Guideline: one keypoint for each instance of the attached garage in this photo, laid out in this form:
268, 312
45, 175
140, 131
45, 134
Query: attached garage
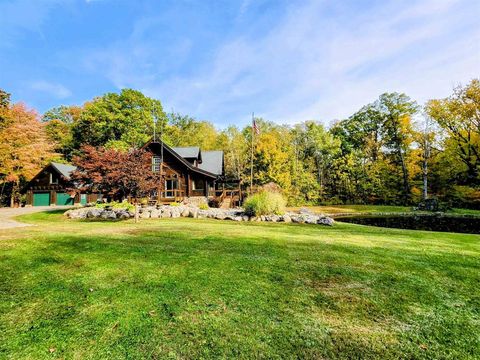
64, 199
41, 199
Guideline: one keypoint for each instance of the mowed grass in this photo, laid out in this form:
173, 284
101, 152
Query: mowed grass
191, 288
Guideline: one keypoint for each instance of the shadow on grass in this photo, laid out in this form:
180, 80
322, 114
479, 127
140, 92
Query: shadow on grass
250, 289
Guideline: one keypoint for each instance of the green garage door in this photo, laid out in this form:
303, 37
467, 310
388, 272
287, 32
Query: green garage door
41, 199
64, 199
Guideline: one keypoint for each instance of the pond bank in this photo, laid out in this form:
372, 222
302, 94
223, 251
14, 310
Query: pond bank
443, 222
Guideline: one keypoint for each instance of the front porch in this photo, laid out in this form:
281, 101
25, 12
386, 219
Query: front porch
224, 194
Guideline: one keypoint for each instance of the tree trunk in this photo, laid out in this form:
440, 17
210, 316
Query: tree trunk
425, 179
13, 194
406, 185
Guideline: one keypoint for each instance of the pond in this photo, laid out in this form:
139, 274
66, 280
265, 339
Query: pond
430, 222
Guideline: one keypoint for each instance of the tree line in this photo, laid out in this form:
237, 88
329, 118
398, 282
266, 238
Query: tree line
391, 151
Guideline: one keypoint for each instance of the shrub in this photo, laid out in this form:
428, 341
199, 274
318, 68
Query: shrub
203, 206
174, 203
117, 205
265, 203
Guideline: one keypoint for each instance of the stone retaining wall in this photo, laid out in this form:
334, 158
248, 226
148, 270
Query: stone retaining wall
168, 211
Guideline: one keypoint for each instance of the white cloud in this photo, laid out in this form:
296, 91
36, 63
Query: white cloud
320, 61
57, 90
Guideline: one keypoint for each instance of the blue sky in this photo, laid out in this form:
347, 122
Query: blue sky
288, 61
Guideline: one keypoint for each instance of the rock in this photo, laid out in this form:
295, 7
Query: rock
297, 219
175, 213
311, 219
165, 213
238, 218
108, 215
193, 212
262, 218
155, 213
94, 213
145, 214
245, 218
221, 216
275, 218
325, 220
287, 218
76, 214
123, 215
185, 212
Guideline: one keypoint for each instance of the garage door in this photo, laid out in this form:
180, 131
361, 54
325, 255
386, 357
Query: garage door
41, 199
64, 199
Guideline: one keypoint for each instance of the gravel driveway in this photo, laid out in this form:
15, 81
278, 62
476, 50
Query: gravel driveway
6, 214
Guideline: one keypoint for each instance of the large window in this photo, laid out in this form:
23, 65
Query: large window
156, 161
198, 184
170, 186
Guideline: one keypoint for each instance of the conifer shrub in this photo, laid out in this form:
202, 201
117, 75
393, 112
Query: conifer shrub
265, 203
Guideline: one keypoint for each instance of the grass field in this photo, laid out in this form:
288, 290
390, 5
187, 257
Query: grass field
191, 288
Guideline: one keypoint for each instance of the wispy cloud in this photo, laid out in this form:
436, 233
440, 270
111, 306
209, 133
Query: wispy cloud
313, 66
57, 90
287, 61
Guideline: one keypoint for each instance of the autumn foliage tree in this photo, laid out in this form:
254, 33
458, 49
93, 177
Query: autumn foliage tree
118, 174
24, 148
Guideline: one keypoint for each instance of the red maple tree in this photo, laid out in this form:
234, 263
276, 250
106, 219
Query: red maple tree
115, 173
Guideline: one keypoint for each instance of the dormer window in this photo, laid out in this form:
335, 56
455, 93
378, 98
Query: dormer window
53, 178
156, 161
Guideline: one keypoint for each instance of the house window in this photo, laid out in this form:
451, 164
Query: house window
53, 178
156, 161
198, 184
170, 186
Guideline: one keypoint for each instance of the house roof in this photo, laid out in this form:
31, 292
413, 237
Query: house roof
212, 161
216, 162
191, 152
64, 169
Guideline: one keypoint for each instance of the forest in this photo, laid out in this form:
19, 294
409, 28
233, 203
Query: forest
392, 151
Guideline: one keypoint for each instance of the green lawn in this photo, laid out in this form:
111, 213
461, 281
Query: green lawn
370, 209
191, 288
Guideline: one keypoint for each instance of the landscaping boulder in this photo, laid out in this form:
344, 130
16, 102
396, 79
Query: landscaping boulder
325, 220
193, 212
166, 213
155, 213
123, 215
145, 214
169, 211
94, 213
108, 215
220, 216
